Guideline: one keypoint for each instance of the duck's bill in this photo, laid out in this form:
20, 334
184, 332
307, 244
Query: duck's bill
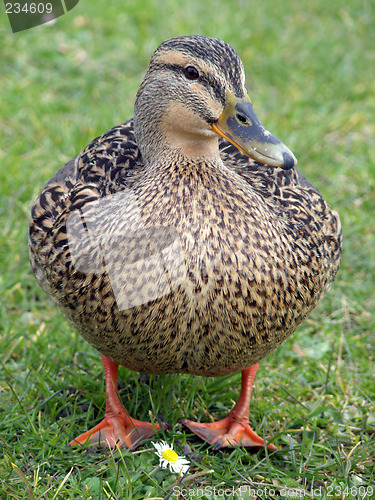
240, 125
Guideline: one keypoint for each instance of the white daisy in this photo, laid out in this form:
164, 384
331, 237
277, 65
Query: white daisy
169, 458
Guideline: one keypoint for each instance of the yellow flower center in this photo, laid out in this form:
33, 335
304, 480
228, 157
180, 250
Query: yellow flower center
169, 455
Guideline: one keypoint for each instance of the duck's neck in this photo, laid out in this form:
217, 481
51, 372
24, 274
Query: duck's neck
167, 143
167, 128
176, 167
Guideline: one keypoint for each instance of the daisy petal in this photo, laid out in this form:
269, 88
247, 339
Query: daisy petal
169, 459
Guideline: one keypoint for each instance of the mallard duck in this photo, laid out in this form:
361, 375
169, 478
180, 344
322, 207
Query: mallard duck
184, 240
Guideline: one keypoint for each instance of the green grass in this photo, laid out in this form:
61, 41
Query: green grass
310, 71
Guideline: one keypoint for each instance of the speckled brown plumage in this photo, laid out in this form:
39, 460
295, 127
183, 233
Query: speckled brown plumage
261, 248
255, 248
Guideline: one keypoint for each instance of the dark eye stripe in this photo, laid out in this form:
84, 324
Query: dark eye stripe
210, 83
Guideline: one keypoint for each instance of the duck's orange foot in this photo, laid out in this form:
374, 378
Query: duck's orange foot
119, 430
227, 432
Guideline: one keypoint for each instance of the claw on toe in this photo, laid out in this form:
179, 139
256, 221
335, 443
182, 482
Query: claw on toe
122, 431
227, 432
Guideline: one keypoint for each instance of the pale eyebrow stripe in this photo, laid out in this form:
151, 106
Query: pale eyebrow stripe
212, 84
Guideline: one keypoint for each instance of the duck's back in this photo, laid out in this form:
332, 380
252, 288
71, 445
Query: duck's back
186, 268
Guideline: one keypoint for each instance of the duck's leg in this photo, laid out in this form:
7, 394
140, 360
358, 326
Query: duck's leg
234, 429
117, 425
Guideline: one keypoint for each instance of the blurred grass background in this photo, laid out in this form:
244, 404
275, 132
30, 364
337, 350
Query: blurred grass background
310, 74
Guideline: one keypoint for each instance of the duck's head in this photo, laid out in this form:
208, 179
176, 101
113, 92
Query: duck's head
193, 91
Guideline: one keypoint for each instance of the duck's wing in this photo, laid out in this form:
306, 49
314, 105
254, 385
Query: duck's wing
109, 164
111, 159
315, 228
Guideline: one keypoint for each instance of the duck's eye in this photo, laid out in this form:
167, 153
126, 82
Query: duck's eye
191, 73
242, 118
